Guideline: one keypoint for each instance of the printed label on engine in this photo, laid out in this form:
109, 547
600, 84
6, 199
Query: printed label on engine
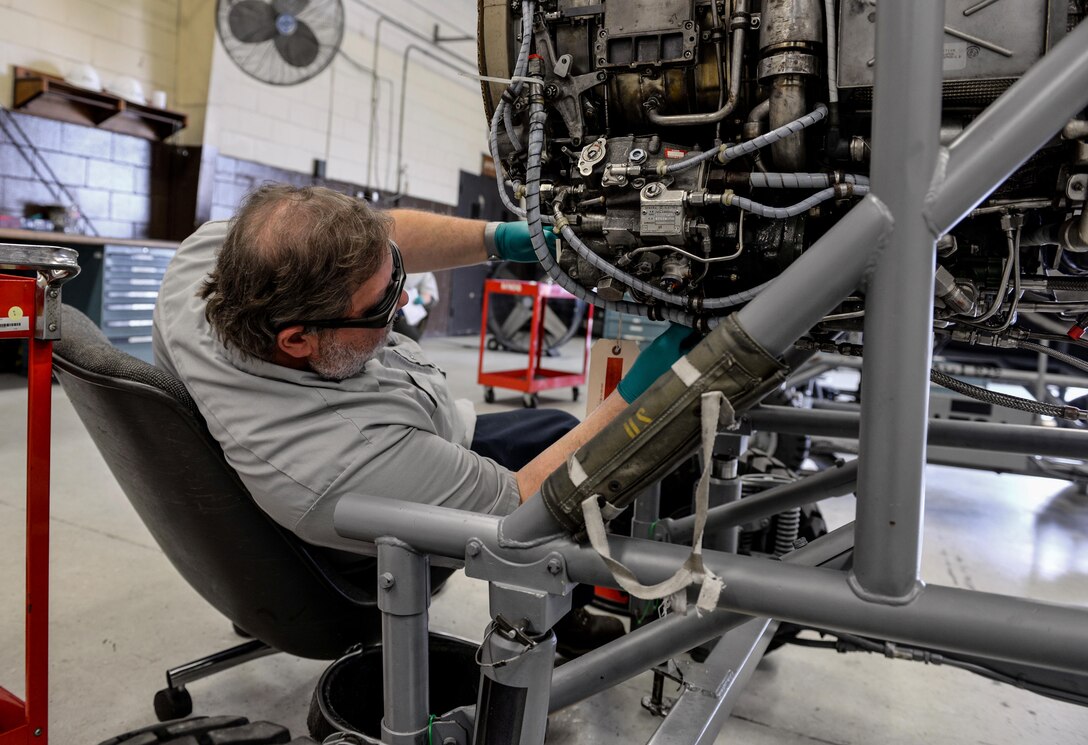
955, 55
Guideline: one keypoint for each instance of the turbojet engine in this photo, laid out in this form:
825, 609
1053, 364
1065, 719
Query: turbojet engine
689, 150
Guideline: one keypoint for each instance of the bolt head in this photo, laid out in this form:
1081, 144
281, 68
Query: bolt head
53, 294
473, 548
554, 566
52, 327
385, 580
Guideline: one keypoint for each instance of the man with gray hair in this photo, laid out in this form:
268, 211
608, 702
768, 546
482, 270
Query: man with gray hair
278, 323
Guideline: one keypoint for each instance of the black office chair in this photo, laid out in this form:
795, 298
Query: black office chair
287, 595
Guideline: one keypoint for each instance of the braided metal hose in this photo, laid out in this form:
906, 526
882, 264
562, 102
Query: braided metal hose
1071, 413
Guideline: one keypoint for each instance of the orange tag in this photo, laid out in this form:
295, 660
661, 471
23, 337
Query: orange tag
609, 361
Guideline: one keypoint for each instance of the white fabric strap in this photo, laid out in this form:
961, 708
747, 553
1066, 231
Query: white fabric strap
714, 407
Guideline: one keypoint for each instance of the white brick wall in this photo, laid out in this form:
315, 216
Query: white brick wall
289, 126
284, 126
135, 38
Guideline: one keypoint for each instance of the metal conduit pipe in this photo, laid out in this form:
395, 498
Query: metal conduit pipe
382, 18
672, 635
952, 619
740, 8
404, 99
1002, 438
833, 482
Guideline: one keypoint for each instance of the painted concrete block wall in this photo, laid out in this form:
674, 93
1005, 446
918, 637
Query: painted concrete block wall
135, 38
329, 117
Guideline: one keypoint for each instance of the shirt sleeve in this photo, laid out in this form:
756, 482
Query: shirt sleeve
415, 466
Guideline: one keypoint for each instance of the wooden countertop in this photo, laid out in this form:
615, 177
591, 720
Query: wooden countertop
53, 238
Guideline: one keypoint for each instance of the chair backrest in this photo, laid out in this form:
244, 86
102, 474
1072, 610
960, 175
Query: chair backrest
154, 440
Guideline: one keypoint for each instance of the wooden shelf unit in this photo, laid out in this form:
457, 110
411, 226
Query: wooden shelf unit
51, 97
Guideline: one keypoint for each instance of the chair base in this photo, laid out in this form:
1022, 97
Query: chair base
174, 701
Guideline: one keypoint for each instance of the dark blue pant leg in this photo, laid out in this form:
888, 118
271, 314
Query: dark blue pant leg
513, 438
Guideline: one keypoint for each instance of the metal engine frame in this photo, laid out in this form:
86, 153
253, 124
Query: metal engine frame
886, 244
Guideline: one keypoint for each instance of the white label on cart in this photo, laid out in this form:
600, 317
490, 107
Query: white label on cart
15, 320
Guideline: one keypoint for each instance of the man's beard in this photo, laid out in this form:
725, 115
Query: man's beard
337, 360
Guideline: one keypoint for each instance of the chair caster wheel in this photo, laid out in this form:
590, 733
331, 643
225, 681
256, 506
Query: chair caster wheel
489, 395
493, 344
173, 703
530, 400
574, 393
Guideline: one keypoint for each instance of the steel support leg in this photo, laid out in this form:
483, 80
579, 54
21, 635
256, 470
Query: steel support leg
516, 660
899, 306
404, 593
725, 488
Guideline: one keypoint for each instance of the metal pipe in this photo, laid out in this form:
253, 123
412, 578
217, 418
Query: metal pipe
1012, 128
707, 701
996, 626
404, 593
832, 482
1025, 439
403, 102
899, 311
740, 7
957, 368
667, 637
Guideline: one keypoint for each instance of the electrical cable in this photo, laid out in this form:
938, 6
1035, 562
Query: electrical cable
850, 643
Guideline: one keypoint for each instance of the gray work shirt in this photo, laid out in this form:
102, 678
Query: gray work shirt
300, 443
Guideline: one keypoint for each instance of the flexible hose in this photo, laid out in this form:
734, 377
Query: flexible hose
801, 180
780, 213
503, 115
1031, 406
1057, 354
729, 152
540, 244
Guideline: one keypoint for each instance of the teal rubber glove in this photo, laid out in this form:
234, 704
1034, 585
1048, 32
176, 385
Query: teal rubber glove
418, 300
655, 359
512, 243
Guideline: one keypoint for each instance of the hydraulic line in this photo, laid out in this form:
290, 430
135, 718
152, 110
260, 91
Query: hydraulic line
1068, 359
725, 153
1071, 413
803, 180
536, 228
637, 284
781, 213
502, 112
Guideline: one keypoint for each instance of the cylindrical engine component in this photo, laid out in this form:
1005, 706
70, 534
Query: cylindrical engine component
789, 30
790, 22
788, 104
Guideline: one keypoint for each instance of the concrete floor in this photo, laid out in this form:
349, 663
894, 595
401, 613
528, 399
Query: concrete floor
121, 615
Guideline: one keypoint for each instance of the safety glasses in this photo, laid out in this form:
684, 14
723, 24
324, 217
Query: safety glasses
377, 317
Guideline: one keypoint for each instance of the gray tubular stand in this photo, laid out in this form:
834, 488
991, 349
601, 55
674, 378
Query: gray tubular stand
885, 246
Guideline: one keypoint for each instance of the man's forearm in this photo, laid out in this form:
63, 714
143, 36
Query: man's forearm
430, 242
532, 475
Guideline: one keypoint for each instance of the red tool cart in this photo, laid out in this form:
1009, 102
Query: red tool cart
30, 309
534, 377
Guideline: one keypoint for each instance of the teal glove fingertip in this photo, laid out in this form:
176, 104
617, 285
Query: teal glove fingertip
657, 357
512, 242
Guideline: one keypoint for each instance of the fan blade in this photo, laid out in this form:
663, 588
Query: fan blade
300, 48
252, 21
290, 7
